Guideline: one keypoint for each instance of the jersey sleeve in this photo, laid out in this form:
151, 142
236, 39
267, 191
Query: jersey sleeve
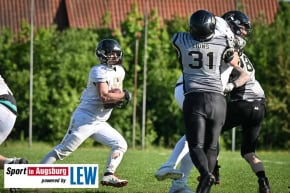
98, 74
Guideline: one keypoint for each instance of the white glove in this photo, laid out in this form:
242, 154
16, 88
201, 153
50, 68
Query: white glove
229, 87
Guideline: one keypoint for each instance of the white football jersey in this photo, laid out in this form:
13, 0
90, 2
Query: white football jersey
90, 99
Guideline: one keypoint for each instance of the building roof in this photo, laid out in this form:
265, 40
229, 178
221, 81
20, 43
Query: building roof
90, 13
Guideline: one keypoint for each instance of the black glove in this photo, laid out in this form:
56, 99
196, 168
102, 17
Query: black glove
128, 96
120, 104
110, 105
127, 99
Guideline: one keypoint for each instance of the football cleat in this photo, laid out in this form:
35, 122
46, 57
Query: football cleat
264, 186
13, 190
168, 172
18, 161
179, 187
112, 180
216, 173
205, 183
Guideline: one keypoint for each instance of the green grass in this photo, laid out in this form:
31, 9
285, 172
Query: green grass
139, 167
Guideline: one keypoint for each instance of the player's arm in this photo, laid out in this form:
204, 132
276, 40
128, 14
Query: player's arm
109, 96
231, 56
243, 78
243, 75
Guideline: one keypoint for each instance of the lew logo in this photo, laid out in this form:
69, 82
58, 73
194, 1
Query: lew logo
51, 176
83, 175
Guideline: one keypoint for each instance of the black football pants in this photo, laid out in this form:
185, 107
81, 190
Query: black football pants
204, 115
250, 116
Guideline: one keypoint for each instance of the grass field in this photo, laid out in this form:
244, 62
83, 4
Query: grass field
138, 167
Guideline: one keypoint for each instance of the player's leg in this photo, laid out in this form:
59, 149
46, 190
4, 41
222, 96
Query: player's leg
80, 128
7, 121
180, 185
250, 133
185, 166
167, 170
194, 115
232, 120
216, 114
180, 151
112, 138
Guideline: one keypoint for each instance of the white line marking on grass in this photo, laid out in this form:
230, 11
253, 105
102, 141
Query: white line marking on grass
276, 162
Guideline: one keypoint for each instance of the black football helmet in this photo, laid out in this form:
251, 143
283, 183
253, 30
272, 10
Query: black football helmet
202, 25
109, 52
238, 20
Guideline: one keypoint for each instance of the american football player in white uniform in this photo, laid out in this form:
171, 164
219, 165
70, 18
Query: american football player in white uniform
8, 114
104, 91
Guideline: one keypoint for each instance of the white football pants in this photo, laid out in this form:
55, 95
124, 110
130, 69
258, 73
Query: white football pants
180, 153
83, 126
7, 121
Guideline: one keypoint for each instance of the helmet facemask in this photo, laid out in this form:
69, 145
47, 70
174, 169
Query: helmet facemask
241, 42
112, 58
241, 29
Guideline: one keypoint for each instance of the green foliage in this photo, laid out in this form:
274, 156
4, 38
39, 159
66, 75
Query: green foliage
268, 49
62, 61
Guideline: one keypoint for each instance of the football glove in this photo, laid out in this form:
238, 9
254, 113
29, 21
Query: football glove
229, 87
120, 104
127, 98
228, 55
110, 105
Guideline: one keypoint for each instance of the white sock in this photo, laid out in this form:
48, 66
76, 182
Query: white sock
114, 160
50, 158
186, 165
179, 151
